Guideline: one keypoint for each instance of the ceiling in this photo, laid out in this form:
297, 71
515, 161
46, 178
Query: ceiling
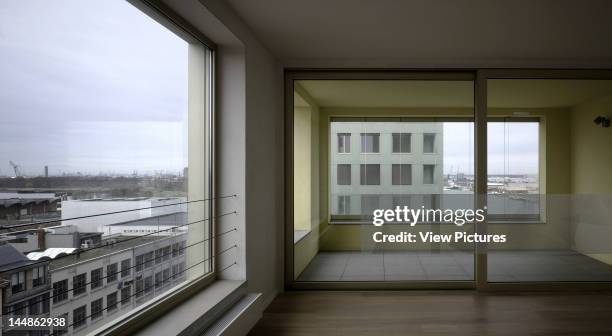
384, 33
501, 93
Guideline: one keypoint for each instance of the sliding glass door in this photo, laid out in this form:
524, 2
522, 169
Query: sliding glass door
549, 190
365, 148
496, 179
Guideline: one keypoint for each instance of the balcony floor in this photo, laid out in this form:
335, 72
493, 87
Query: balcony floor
503, 266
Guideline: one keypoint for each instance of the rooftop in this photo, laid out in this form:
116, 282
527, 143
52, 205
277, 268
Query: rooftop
123, 243
12, 258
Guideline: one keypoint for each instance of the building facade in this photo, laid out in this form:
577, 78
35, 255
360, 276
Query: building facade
382, 164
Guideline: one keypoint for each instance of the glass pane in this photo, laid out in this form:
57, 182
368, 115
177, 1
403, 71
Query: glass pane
548, 158
105, 138
415, 150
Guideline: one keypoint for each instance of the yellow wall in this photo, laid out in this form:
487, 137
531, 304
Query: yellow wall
591, 179
307, 215
301, 168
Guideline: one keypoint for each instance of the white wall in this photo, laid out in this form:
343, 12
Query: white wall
249, 150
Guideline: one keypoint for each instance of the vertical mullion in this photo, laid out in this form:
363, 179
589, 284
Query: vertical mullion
480, 164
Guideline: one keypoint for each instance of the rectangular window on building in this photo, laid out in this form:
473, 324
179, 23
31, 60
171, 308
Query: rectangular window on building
167, 252
428, 174
401, 174
79, 284
175, 250
369, 174
111, 301
158, 255
96, 278
344, 205
19, 308
96, 308
79, 316
39, 276
369, 203
148, 259
344, 142
401, 142
429, 140
126, 267
166, 275
111, 272
158, 280
139, 289
344, 174
175, 271
34, 306
182, 245
370, 142
18, 282
45, 304
148, 284
126, 293
60, 291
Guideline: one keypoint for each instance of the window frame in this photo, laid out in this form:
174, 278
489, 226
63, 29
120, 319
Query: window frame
344, 142
400, 136
363, 138
21, 285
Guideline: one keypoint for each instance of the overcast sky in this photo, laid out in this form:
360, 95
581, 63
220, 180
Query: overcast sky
96, 87
512, 148
90, 86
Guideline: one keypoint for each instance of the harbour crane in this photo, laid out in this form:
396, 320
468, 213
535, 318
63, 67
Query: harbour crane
16, 168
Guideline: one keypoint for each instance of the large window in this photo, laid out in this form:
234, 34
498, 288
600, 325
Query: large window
109, 112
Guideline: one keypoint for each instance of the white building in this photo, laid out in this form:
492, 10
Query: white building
99, 285
99, 209
381, 164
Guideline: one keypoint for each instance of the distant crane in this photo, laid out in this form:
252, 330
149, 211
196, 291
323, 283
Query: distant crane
16, 168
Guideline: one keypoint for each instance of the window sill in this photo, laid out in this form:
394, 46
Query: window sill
299, 235
191, 312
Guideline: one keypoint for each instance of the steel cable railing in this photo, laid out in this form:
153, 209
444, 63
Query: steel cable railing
83, 251
50, 298
8, 227
62, 330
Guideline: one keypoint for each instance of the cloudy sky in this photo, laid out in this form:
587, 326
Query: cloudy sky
90, 86
512, 148
103, 89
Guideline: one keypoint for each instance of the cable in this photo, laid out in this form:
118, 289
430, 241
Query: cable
78, 253
112, 213
30, 303
144, 290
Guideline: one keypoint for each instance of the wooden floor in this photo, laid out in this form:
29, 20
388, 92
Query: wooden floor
387, 313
